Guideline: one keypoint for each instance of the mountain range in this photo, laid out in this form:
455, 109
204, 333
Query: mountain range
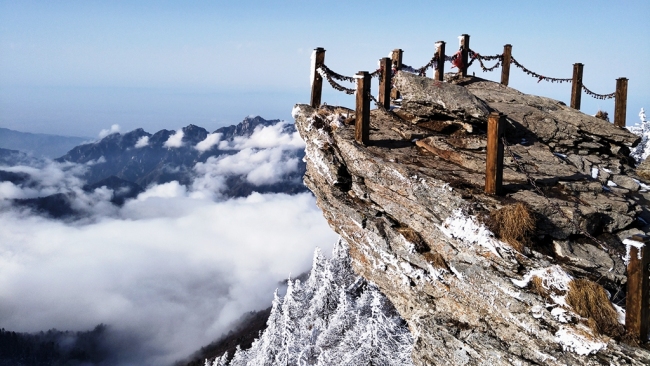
128, 163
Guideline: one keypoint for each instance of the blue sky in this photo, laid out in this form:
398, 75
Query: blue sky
75, 67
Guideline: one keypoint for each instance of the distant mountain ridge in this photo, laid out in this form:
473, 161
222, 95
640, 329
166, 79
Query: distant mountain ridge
128, 163
157, 164
38, 144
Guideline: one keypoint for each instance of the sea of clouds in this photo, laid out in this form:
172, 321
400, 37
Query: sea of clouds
169, 271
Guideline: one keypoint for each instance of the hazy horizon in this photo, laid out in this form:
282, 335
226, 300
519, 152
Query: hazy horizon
75, 68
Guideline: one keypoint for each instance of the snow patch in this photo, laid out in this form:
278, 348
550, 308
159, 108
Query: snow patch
632, 243
553, 278
577, 343
462, 227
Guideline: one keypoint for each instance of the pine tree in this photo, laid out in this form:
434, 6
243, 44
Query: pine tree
334, 318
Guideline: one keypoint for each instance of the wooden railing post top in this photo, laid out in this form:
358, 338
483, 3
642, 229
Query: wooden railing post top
497, 115
507, 45
319, 49
622, 79
578, 64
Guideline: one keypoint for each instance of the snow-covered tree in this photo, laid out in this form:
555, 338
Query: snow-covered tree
334, 318
642, 150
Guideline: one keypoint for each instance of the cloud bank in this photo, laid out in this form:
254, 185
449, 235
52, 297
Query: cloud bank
167, 272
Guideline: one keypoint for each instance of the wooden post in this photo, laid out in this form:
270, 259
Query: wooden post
637, 303
505, 64
440, 65
397, 64
385, 82
318, 59
576, 86
620, 105
464, 52
494, 159
362, 120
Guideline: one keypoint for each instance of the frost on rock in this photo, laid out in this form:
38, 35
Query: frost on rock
462, 227
580, 344
334, 318
553, 278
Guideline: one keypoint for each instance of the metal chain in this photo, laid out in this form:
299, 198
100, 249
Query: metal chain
554, 205
422, 70
538, 76
326, 73
335, 75
598, 96
486, 58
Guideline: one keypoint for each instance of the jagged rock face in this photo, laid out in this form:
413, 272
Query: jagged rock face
406, 211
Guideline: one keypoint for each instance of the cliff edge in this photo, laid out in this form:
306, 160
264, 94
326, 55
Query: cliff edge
411, 207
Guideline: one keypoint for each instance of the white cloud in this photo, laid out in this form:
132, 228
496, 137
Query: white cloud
175, 140
211, 140
170, 269
265, 137
259, 167
114, 129
142, 142
175, 278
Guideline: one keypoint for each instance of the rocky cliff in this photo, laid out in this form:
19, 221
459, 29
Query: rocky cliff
412, 209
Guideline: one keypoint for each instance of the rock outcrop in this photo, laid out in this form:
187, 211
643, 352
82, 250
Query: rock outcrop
410, 206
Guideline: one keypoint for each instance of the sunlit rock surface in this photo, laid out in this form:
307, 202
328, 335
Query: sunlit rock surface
409, 205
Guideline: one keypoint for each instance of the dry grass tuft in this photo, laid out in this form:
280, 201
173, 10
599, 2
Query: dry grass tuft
436, 260
536, 286
513, 224
590, 300
602, 115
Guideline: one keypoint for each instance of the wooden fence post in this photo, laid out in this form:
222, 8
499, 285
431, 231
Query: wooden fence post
440, 65
464, 52
637, 303
620, 105
316, 80
362, 120
397, 64
576, 86
505, 64
494, 159
385, 82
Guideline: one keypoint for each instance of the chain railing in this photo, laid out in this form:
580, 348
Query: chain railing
330, 75
464, 58
598, 96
